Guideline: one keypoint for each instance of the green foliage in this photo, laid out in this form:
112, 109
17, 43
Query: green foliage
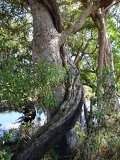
104, 140
99, 115
15, 29
80, 133
51, 155
15, 53
11, 134
70, 13
5, 155
47, 77
16, 82
19, 81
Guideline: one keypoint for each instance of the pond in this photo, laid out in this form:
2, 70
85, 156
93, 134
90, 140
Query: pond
8, 120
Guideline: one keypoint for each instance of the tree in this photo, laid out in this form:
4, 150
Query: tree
49, 43
15, 54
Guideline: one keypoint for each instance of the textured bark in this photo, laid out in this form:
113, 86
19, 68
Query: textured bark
47, 43
53, 9
47, 26
102, 44
45, 39
59, 125
105, 62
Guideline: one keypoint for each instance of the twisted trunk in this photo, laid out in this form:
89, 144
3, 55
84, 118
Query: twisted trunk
46, 45
59, 125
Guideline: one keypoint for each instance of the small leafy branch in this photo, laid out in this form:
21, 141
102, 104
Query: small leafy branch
48, 76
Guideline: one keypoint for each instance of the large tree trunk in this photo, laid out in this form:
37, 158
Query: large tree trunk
45, 39
59, 125
47, 43
107, 93
46, 29
106, 87
47, 25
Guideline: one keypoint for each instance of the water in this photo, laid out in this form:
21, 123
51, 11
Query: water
8, 119
40, 118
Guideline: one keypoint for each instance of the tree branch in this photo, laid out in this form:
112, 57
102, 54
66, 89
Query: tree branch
78, 25
114, 3
67, 3
81, 20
